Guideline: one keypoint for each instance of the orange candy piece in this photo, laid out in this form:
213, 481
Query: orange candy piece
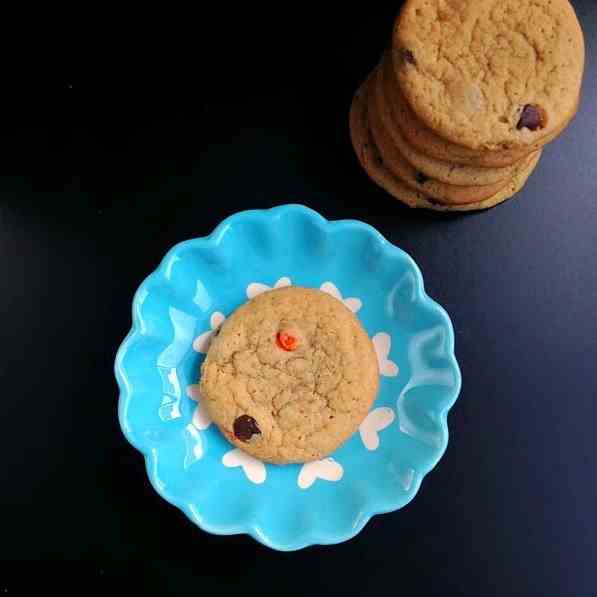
286, 341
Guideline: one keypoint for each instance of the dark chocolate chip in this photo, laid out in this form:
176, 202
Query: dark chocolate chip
408, 56
421, 178
245, 427
532, 118
380, 160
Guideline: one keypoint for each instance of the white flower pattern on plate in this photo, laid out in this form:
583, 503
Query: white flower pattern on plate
383, 343
202, 342
254, 469
377, 420
201, 420
256, 288
327, 469
353, 303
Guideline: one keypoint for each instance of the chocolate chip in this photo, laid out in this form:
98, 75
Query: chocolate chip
245, 427
421, 178
408, 57
532, 118
380, 160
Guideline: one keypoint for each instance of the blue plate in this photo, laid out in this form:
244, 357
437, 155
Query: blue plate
191, 464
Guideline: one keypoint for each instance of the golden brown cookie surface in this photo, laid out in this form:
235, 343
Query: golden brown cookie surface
396, 163
290, 376
372, 162
443, 171
490, 75
369, 156
427, 142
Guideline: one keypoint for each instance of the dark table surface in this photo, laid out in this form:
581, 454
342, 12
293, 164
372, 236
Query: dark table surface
126, 140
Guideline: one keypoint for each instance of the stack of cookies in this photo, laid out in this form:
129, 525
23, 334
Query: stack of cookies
457, 113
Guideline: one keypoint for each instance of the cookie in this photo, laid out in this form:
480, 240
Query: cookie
487, 75
369, 156
395, 162
372, 162
290, 376
426, 141
454, 174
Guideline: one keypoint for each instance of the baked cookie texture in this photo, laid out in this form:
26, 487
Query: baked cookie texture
490, 74
456, 115
396, 163
442, 170
290, 375
372, 162
428, 142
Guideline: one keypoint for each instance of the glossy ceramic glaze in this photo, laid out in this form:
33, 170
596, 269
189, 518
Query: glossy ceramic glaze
190, 463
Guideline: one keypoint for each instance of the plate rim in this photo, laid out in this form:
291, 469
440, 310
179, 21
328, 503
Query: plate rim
251, 529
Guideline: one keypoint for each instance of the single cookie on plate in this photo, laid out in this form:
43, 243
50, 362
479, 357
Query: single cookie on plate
290, 375
487, 75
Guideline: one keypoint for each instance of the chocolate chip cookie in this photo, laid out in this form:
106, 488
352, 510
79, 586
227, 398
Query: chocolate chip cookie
424, 140
373, 163
443, 171
490, 76
290, 376
399, 166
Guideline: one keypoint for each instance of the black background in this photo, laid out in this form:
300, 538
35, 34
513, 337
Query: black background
123, 136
